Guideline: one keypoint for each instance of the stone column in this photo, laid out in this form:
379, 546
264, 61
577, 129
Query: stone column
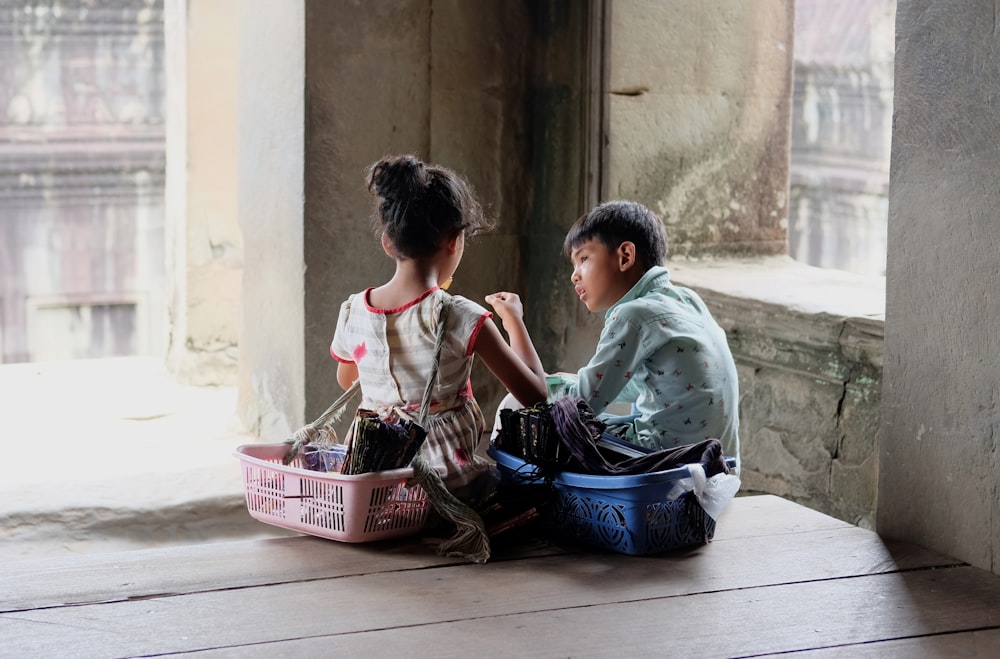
697, 98
271, 82
453, 93
203, 245
939, 464
698, 119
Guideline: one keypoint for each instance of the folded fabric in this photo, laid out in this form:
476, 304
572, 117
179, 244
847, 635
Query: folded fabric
579, 429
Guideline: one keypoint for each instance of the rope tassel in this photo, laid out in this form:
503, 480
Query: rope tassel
470, 540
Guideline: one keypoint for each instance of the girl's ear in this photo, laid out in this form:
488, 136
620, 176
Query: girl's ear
626, 256
387, 246
452, 243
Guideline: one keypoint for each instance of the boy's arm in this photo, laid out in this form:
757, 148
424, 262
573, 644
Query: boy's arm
607, 378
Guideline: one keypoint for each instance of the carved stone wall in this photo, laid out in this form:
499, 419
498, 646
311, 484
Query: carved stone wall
808, 348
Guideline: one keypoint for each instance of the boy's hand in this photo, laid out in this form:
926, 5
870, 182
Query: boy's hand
507, 306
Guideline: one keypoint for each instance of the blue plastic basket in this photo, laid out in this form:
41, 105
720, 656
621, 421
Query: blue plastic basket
625, 514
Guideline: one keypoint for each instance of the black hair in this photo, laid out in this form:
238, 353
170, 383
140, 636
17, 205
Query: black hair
418, 206
615, 222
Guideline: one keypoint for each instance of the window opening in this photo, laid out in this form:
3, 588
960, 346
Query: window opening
841, 133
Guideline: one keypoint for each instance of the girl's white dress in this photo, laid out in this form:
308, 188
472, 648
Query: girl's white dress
394, 349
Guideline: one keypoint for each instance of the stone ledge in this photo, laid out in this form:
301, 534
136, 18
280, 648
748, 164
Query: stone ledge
808, 348
782, 281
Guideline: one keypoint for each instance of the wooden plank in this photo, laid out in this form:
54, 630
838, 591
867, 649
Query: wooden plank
121, 576
845, 615
961, 645
767, 515
432, 596
145, 573
982, 644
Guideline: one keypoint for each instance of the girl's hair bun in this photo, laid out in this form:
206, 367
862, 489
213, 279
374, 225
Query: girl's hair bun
418, 206
397, 178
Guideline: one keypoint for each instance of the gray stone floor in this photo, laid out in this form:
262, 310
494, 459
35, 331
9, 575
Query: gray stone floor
112, 454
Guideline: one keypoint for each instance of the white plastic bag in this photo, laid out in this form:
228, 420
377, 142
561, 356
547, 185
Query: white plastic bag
714, 493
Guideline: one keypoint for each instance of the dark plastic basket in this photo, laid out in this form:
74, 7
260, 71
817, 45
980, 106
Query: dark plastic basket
625, 514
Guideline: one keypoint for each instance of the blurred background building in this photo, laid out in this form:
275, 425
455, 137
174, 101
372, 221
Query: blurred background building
81, 179
841, 133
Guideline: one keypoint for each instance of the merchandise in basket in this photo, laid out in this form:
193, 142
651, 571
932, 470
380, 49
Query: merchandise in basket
625, 514
349, 508
529, 434
324, 458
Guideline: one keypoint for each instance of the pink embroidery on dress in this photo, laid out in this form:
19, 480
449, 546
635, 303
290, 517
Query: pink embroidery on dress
461, 457
360, 351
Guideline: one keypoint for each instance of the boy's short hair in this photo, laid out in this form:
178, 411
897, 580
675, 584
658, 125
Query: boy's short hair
615, 222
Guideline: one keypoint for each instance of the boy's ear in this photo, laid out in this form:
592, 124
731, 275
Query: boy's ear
626, 255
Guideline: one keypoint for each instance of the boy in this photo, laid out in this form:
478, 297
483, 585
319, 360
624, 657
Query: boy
660, 348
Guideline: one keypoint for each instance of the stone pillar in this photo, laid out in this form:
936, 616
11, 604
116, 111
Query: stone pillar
939, 464
454, 94
697, 103
350, 123
567, 104
271, 82
699, 98
203, 244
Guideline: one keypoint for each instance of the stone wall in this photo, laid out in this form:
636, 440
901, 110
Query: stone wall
940, 462
810, 393
698, 131
272, 170
459, 96
203, 240
698, 119
808, 348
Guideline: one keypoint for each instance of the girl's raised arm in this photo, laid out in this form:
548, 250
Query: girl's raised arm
516, 365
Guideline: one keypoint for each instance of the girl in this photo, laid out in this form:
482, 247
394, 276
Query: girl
385, 335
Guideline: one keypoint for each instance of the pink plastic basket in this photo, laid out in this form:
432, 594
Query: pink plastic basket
359, 508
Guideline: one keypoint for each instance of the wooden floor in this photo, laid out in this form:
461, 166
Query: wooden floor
778, 579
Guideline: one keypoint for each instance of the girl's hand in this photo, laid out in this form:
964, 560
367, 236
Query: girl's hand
516, 364
507, 306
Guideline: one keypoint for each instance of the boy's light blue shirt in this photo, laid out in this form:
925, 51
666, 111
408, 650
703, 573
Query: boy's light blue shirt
662, 350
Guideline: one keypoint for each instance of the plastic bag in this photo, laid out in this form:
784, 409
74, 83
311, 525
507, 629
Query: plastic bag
714, 493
